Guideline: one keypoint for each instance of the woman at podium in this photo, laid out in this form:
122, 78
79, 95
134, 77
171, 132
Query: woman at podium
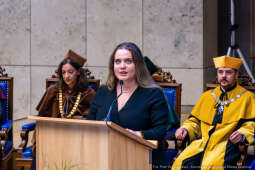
70, 97
131, 99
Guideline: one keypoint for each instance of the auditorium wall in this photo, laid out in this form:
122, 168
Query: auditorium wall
178, 35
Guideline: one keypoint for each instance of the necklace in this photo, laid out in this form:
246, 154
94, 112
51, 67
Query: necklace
226, 102
61, 104
129, 90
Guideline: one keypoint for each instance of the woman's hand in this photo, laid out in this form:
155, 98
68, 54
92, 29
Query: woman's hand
137, 133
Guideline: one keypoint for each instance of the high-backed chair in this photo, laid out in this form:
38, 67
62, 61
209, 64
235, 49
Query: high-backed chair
173, 94
6, 119
24, 157
171, 89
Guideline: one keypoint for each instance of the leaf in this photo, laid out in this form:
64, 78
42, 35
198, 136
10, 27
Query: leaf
56, 166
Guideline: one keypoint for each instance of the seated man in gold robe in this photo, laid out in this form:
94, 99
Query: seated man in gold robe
221, 119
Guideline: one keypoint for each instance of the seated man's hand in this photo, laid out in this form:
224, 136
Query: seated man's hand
236, 137
181, 133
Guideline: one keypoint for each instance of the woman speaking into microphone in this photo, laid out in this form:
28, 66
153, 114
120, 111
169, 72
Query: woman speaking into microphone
131, 99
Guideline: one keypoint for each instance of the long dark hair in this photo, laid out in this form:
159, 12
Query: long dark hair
82, 81
142, 75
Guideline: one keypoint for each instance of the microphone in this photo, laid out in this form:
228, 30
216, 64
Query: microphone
110, 108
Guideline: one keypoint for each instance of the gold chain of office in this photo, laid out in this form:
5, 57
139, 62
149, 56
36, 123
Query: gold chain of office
226, 102
61, 104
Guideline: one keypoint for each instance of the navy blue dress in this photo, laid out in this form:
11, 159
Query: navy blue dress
145, 111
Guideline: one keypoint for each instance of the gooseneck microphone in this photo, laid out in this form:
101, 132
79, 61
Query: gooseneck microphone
108, 117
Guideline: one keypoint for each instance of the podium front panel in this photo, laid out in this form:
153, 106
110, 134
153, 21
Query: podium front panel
80, 145
88, 145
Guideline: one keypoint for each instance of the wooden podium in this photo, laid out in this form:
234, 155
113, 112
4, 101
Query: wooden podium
89, 145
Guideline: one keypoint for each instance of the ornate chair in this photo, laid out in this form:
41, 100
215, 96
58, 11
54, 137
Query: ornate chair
6, 112
173, 94
24, 157
171, 88
172, 91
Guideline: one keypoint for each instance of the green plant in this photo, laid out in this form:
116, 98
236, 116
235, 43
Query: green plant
65, 165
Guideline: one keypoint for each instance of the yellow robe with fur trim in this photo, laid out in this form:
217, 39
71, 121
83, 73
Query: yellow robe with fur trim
210, 144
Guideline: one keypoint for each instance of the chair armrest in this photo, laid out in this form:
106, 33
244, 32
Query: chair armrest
243, 151
29, 126
24, 134
5, 129
170, 135
6, 126
180, 145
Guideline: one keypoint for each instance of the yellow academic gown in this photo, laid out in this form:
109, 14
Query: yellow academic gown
210, 146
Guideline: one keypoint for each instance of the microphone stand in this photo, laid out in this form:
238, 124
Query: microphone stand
234, 47
108, 117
